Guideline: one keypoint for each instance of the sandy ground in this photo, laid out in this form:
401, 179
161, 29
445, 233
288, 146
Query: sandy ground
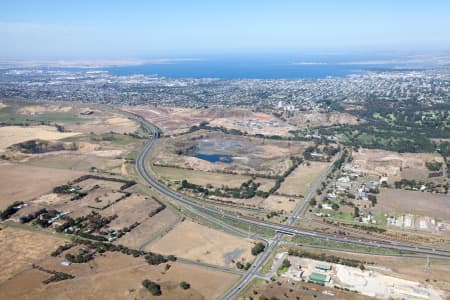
23, 183
415, 202
407, 268
10, 135
19, 249
170, 120
312, 119
118, 276
374, 284
371, 282
193, 241
302, 178
177, 120
395, 165
255, 123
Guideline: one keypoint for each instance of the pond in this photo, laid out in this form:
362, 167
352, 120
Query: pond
215, 158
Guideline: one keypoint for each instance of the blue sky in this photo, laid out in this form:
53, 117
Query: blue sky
140, 29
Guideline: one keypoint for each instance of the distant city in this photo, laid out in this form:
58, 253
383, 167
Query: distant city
426, 86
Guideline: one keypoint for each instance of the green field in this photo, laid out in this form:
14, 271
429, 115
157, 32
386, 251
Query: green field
322, 243
8, 115
113, 138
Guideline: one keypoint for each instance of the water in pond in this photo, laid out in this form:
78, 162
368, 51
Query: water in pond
215, 158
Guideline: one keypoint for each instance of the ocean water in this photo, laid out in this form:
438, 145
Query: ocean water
257, 67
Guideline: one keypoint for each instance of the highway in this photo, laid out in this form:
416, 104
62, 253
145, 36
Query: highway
204, 210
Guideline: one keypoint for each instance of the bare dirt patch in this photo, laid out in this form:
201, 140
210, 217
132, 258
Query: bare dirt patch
179, 120
193, 241
314, 119
170, 120
395, 165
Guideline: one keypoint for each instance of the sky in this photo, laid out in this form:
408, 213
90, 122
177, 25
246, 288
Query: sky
88, 29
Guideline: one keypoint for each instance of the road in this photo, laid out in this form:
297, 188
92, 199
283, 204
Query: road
201, 209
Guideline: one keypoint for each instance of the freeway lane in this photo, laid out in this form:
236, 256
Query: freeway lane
198, 208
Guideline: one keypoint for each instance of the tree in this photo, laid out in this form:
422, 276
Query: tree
356, 212
286, 263
258, 248
313, 202
152, 287
172, 257
335, 206
184, 285
373, 199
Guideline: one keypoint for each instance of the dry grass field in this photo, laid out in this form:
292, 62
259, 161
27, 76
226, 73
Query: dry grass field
99, 194
149, 229
10, 135
298, 183
292, 290
414, 202
99, 121
19, 249
118, 276
196, 242
103, 122
132, 209
74, 161
200, 177
43, 108
276, 203
23, 183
